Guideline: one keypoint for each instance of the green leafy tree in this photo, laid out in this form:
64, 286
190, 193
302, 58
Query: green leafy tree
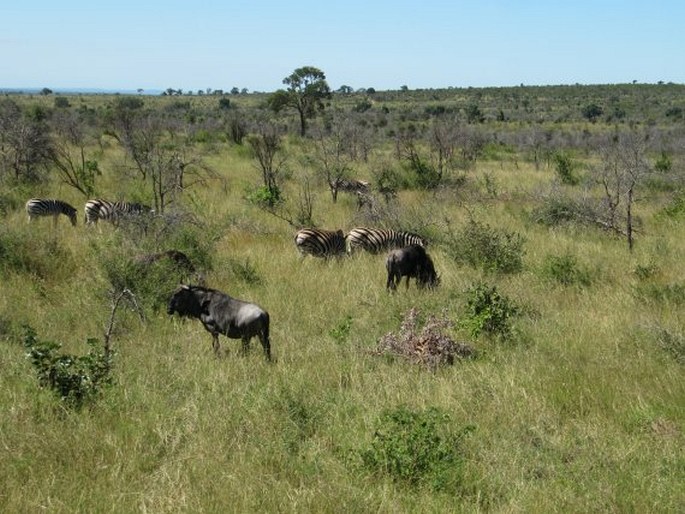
306, 92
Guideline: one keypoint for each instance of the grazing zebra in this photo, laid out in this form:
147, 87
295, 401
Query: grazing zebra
320, 243
43, 207
112, 211
376, 240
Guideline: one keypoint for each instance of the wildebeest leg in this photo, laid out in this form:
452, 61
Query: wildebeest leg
264, 339
215, 344
246, 345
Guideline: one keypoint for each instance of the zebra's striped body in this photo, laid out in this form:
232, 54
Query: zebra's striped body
376, 240
99, 209
37, 207
320, 243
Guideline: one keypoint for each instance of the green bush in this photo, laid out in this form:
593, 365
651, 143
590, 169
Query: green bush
75, 379
264, 196
488, 248
565, 168
565, 270
415, 447
488, 311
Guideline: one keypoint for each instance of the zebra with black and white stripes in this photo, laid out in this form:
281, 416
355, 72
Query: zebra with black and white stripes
40, 207
320, 243
99, 209
376, 240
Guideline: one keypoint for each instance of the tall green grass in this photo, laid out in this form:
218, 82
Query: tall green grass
580, 409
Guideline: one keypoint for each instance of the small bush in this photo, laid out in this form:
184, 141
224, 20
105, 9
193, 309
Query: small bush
427, 346
265, 197
556, 210
75, 379
565, 270
661, 293
415, 447
491, 249
565, 168
672, 343
341, 331
246, 271
488, 311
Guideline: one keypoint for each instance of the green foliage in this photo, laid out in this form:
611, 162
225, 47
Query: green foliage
341, 331
592, 112
673, 293
481, 245
246, 272
264, 196
676, 209
415, 447
33, 255
565, 270
664, 163
672, 342
565, 167
488, 311
75, 379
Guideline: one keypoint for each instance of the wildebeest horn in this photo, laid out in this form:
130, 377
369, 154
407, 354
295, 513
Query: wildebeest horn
184, 286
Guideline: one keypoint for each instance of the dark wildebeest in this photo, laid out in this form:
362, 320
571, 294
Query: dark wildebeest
411, 262
221, 314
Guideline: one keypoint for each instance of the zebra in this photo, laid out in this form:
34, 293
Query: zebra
99, 209
48, 207
376, 240
319, 242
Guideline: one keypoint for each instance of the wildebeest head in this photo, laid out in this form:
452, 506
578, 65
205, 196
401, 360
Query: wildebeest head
427, 276
186, 302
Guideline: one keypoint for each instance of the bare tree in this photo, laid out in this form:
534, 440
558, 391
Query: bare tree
266, 147
69, 152
623, 167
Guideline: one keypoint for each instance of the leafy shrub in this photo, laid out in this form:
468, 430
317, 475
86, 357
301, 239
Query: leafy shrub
565, 167
556, 210
488, 311
151, 283
566, 270
662, 293
663, 164
676, 209
341, 331
646, 271
482, 246
246, 271
415, 447
427, 346
75, 379
33, 254
264, 196
672, 343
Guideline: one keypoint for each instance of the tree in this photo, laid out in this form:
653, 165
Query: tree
24, 141
307, 90
623, 168
69, 152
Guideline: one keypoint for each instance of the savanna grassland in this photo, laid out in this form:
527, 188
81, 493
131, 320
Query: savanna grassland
572, 398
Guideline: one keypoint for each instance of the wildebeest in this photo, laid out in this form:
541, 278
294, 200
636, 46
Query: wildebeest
221, 314
411, 262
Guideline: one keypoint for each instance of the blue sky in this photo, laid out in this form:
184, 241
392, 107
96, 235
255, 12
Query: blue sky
196, 44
